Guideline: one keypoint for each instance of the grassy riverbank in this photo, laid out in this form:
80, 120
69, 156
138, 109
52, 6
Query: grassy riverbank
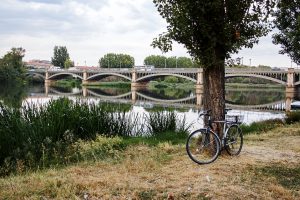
159, 84
249, 85
118, 84
164, 84
67, 83
268, 168
33, 137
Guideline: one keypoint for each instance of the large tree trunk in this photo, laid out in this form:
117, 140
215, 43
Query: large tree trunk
214, 91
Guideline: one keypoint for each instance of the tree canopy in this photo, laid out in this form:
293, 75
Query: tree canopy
211, 31
60, 56
287, 21
12, 66
113, 60
68, 63
159, 61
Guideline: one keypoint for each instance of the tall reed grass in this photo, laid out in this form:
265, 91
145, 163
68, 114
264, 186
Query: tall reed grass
164, 121
39, 136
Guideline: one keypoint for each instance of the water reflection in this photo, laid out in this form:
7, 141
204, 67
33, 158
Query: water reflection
265, 103
13, 94
253, 96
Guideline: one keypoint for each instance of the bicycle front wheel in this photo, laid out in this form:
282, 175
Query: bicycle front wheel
203, 146
234, 140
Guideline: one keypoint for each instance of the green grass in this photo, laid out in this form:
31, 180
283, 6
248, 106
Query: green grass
39, 137
262, 126
169, 137
249, 85
163, 84
288, 177
292, 117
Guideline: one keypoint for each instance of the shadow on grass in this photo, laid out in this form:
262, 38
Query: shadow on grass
288, 177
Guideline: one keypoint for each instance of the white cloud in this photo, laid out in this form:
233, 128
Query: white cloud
92, 28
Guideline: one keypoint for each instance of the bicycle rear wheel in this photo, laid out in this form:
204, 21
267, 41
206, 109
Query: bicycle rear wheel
234, 140
203, 146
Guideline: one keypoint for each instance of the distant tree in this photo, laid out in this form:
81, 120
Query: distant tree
156, 60
113, 60
170, 62
211, 31
186, 62
287, 20
12, 66
68, 63
60, 56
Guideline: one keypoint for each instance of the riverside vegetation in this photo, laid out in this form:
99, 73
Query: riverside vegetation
35, 137
59, 151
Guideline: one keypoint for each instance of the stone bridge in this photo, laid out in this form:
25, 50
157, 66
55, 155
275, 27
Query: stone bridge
288, 78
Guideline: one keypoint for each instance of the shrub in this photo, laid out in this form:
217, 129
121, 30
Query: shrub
165, 121
292, 117
262, 126
171, 79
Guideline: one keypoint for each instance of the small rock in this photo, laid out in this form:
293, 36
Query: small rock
207, 178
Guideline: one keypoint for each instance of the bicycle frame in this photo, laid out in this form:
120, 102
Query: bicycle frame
226, 125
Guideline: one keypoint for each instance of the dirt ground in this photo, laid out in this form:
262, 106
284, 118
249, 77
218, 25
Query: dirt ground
267, 168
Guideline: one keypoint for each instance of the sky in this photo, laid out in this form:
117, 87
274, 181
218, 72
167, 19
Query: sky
92, 28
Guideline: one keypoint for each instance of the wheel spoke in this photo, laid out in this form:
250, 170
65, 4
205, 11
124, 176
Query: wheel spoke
202, 147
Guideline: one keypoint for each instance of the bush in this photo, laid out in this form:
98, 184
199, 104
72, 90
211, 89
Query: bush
37, 136
41, 136
292, 117
262, 126
165, 121
171, 79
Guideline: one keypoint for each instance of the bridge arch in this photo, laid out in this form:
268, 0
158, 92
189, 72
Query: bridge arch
165, 100
65, 73
277, 105
297, 83
128, 94
149, 77
256, 76
65, 93
37, 74
108, 74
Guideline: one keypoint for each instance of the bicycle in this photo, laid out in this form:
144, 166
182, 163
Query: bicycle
203, 146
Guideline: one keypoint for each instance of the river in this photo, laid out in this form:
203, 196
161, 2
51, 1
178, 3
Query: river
255, 104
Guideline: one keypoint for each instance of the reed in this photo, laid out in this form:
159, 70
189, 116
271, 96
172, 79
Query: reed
40, 136
165, 121
34, 135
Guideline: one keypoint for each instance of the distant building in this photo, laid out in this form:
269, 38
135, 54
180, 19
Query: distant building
38, 64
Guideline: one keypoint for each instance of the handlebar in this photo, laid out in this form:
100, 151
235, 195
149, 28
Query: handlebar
205, 113
226, 110
208, 112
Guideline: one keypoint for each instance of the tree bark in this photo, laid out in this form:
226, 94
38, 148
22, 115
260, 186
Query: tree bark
214, 91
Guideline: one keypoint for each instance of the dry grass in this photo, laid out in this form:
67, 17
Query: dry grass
166, 172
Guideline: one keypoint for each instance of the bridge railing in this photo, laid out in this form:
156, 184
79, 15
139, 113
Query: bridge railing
191, 70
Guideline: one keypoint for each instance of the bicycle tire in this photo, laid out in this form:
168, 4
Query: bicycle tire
234, 140
203, 146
